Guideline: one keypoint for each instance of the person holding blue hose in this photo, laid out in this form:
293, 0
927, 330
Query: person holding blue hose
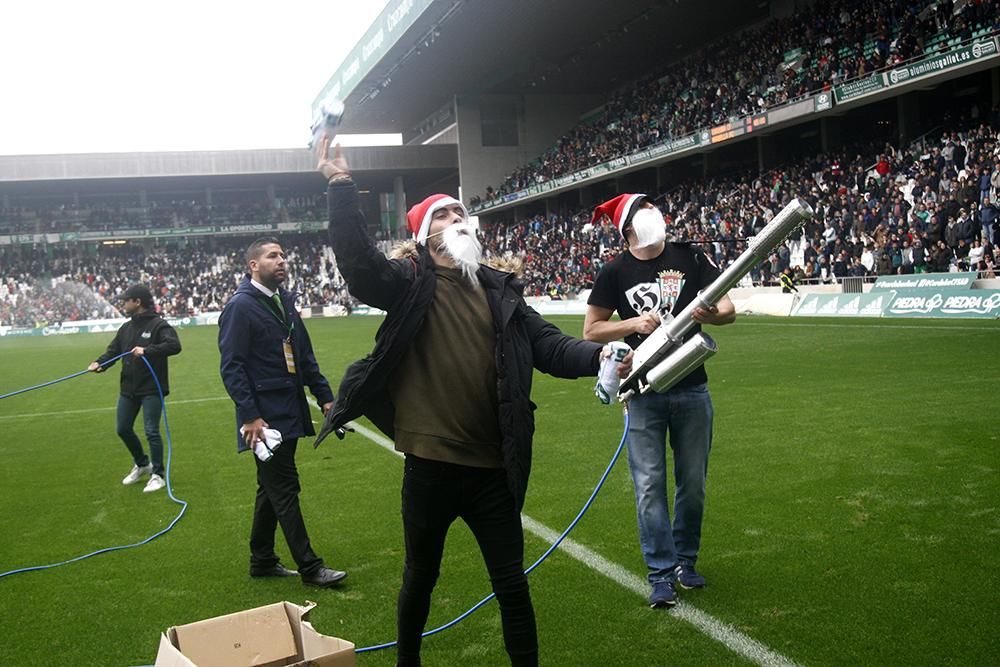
147, 335
449, 381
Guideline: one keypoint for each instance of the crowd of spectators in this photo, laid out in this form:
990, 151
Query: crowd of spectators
821, 46
560, 254
878, 211
104, 216
46, 285
928, 207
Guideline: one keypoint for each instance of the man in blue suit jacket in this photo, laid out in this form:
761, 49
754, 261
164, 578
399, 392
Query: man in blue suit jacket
267, 361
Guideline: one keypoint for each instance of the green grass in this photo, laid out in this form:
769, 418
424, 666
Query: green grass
853, 513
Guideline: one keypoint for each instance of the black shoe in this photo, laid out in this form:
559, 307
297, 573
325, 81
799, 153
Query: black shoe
276, 570
324, 578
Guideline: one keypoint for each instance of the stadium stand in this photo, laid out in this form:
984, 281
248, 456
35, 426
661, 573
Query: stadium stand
39, 288
880, 209
821, 46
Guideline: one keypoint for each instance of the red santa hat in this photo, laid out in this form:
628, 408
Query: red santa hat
619, 210
418, 218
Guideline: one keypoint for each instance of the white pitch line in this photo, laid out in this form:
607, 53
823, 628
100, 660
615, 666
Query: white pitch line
105, 409
725, 634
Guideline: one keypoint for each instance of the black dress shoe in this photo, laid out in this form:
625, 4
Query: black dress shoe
324, 578
276, 570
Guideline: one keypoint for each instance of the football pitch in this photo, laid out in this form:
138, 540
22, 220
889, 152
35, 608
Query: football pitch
853, 512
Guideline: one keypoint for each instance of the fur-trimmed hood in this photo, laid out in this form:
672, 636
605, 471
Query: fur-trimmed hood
507, 263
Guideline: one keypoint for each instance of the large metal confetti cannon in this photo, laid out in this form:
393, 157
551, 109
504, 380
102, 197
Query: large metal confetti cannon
664, 358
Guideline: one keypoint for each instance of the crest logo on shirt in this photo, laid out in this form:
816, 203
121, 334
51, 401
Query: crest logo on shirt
644, 298
670, 284
145, 334
659, 297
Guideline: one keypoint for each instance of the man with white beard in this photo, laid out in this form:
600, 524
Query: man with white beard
449, 381
655, 280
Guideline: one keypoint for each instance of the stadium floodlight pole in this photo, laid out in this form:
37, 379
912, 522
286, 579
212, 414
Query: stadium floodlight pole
664, 358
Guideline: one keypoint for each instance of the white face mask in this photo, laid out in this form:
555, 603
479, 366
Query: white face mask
649, 227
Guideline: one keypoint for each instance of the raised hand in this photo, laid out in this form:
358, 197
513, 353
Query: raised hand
333, 167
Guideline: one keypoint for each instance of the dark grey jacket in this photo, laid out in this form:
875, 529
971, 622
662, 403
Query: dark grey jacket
404, 288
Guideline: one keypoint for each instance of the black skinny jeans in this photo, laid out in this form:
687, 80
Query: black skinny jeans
434, 495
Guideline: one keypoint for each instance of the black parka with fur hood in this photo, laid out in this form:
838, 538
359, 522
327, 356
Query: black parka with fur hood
404, 288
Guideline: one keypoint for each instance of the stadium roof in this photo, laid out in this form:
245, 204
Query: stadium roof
421, 166
419, 53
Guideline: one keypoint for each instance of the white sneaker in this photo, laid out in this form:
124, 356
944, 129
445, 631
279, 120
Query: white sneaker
155, 483
137, 473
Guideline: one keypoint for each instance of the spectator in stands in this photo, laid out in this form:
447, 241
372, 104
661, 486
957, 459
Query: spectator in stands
144, 335
987, 219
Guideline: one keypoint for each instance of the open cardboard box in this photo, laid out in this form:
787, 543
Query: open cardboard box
276, 635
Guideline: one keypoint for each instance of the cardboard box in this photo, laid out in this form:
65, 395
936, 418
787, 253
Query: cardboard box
276, 635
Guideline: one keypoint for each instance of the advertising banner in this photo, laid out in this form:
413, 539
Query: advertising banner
957, 57
925, 280
857, 88
103, 326
172, 232
843, 305
18, 331
823, 101
938, 63
645, 155
945, 303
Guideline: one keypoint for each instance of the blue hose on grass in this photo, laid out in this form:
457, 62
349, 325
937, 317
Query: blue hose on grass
555, 545
366, 649
170, 491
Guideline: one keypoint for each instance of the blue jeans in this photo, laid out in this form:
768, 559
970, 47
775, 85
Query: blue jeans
128, 409
686, 415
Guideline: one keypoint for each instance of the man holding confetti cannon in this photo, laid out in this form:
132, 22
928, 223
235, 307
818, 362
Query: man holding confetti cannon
663, 292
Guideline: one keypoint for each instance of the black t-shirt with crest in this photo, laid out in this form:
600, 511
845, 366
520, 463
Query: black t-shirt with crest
664, 284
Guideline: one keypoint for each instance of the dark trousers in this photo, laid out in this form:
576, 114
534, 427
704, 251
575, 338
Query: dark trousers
278, 503
434, 495
128, 410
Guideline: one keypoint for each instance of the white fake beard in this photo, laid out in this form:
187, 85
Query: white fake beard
459, 244
649, 226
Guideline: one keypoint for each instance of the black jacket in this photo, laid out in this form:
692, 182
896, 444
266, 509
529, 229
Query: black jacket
158, 340
404, 288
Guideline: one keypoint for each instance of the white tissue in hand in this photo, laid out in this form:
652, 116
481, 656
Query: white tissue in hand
264, 449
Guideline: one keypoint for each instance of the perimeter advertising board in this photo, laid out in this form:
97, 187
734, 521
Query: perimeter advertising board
979, 303
961, 280
944, 302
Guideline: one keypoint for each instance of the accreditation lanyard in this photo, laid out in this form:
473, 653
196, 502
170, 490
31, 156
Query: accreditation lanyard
286, 344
